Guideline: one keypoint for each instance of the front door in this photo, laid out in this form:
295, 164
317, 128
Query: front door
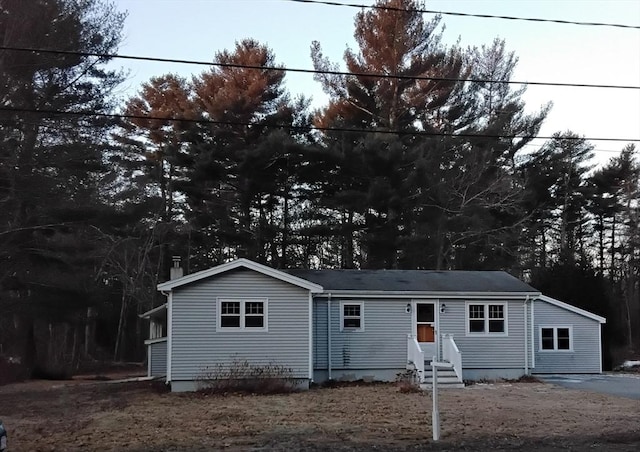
426, 328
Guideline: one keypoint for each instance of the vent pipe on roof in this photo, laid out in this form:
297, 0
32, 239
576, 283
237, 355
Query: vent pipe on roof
176, 269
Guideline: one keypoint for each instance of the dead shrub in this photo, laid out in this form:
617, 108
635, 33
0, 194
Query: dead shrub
242, 376
408, 381
11, 370
527, 379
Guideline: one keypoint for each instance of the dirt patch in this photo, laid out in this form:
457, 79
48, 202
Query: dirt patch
136, 417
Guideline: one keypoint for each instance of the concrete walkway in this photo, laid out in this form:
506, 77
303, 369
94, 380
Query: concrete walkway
617, 384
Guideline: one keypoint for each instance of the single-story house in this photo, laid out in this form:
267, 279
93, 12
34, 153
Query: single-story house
370, 324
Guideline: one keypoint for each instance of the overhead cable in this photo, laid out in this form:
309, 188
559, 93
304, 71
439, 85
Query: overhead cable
108, 56
302, 128
479, 16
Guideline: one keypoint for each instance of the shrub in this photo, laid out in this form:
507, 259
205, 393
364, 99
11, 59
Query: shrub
242, 376
408, 381
11, 370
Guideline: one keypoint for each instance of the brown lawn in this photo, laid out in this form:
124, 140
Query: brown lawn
137, 417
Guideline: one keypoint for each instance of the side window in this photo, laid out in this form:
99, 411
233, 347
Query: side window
556, 338
351, 317
242, 314
230, 314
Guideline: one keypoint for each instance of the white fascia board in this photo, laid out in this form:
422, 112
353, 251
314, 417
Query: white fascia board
572, 308
417, 294
150, 312
244, 263
155, 341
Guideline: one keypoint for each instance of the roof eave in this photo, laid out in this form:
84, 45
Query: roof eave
240, 263
153, 311
427, 294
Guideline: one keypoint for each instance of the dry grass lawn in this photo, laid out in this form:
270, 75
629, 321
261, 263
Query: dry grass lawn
137, 417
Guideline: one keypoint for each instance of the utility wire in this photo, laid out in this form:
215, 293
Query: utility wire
480, 16
299, 128
107, 56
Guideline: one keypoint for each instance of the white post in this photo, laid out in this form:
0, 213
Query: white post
435, 415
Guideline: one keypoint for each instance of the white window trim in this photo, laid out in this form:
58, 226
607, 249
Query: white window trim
242, 301
352, 303
486, 332
555, 339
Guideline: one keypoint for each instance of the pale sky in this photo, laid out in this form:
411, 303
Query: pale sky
547, 52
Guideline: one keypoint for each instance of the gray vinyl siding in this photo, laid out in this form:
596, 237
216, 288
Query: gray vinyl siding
197, 347
320, 356
382, 344
158, 357
586, 354
486, 352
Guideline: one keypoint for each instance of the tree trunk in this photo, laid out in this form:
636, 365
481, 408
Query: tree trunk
89, 333
119, 333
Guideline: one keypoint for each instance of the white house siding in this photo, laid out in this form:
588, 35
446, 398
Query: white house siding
586, 354
380, 351
158, 358
196, 346
487, 356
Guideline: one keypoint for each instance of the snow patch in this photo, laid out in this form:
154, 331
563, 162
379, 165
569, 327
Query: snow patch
630, 364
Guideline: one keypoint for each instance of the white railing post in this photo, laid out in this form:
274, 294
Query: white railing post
435, 412
451, 353
415, 355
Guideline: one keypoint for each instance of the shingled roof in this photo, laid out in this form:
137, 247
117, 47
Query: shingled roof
414, 281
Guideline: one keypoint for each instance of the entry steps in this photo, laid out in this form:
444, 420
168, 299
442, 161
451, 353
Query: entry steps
447, 378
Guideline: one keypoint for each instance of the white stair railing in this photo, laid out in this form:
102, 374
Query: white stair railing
451, 353
415, 355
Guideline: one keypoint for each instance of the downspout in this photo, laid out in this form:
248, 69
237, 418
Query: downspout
169, 296
329, 336
526, 338
311, 334
533, 342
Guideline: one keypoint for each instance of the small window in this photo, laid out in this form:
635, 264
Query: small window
242, 314
351, 317
547, 338
496, 318
555, 338
564, 341
476, 318
230, 314
486, 318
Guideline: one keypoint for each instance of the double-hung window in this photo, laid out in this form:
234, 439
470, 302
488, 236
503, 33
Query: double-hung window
351, 317
487, 318
555, 338
242, 314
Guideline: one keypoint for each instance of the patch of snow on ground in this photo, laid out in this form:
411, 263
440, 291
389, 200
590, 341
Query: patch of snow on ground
629, 364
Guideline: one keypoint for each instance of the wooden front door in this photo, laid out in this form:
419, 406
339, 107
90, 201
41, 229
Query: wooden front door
426, 328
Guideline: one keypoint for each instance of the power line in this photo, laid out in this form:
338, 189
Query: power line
538, 146
306, 71
480, 16
300, 128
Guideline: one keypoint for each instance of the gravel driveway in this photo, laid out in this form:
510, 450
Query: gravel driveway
622, 385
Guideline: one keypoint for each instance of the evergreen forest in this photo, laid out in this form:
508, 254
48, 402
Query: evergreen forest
422, 158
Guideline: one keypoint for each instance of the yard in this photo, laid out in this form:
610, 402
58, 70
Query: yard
46, 416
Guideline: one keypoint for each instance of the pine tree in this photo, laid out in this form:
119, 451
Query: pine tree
53, 166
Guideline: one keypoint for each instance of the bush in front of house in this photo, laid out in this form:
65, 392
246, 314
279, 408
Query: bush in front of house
246, 377
408, 381
11, 370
